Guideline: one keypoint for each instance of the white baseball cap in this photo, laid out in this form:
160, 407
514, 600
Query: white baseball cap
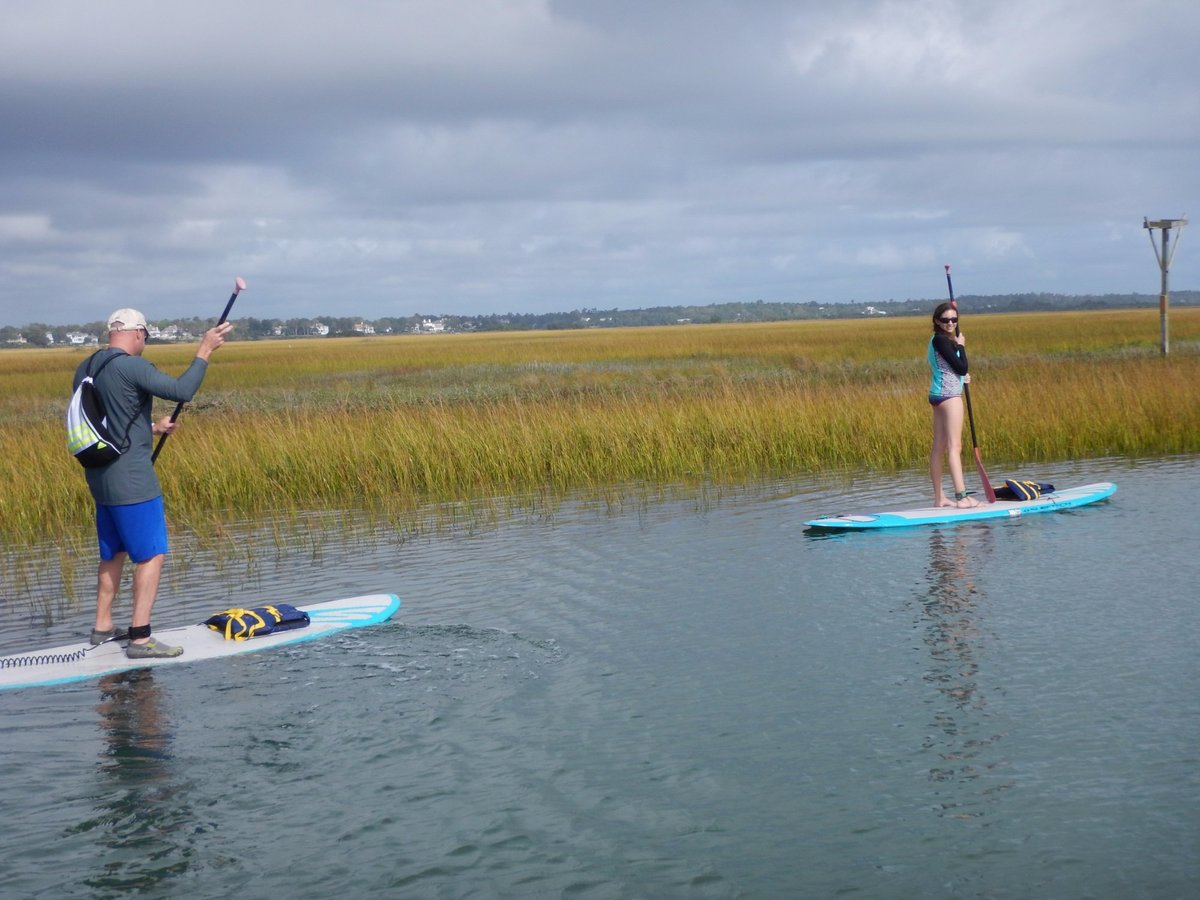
126, 320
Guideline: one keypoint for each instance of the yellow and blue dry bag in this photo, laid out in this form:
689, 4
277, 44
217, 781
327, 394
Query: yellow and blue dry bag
1022, 490
240, 624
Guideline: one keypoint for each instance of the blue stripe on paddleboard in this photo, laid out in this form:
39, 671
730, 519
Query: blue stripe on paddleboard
357, 616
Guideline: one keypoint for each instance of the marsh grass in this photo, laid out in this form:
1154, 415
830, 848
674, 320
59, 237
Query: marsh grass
394, 423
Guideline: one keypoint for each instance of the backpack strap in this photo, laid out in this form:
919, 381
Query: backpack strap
96, 374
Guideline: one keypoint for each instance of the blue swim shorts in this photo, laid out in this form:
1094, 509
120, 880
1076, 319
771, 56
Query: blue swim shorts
139, 529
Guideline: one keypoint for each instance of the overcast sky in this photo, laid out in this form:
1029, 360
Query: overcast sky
372, 158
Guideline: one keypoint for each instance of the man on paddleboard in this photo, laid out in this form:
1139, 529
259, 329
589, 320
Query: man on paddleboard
947, 354
130, 522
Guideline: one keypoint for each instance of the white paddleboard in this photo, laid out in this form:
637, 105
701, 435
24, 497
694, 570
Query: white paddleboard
70, 662
1001, 509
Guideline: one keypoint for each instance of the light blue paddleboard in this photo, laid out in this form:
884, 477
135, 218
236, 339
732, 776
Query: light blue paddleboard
1001, 509
71, 662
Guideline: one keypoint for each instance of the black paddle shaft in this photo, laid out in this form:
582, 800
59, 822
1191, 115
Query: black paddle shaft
179, 407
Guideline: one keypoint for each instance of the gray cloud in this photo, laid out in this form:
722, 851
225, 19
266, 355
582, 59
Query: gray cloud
384, 158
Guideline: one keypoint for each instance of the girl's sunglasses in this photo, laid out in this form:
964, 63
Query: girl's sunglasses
946, 321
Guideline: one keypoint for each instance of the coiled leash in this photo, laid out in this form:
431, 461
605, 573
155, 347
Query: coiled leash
49, 659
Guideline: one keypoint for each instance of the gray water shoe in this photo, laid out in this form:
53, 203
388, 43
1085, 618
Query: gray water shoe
152, 649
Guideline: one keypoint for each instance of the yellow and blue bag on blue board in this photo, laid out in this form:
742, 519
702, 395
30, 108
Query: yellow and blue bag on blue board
240, 624
1022, 490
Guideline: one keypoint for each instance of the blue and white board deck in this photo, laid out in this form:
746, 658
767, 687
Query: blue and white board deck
61, 665
1001, 509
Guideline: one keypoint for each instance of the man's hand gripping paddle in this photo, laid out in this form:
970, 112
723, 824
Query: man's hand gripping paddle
988, 490
238, 286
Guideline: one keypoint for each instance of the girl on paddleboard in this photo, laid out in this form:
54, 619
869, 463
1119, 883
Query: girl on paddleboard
947, 356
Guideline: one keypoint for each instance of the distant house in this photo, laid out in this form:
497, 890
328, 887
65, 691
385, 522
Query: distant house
872, 311
364, 328
318, 328
430, 326
171, 333
79, 338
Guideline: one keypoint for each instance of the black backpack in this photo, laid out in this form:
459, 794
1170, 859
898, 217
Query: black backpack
88, 437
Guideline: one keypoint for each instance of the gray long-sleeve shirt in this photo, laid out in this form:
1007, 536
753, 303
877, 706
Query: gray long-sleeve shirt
128, 386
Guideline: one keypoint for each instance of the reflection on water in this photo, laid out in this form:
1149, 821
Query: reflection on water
134, 723
141, 815
954, 633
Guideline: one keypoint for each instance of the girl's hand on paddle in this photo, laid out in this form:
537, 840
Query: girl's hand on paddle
967, 378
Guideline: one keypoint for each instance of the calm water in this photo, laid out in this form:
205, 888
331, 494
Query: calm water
694, 698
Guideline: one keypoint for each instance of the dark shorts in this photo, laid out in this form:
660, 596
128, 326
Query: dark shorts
938, 401
139, 529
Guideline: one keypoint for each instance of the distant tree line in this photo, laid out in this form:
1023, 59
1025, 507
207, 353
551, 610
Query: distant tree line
250, 328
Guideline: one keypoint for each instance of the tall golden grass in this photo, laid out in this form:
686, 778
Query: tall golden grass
394, 422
